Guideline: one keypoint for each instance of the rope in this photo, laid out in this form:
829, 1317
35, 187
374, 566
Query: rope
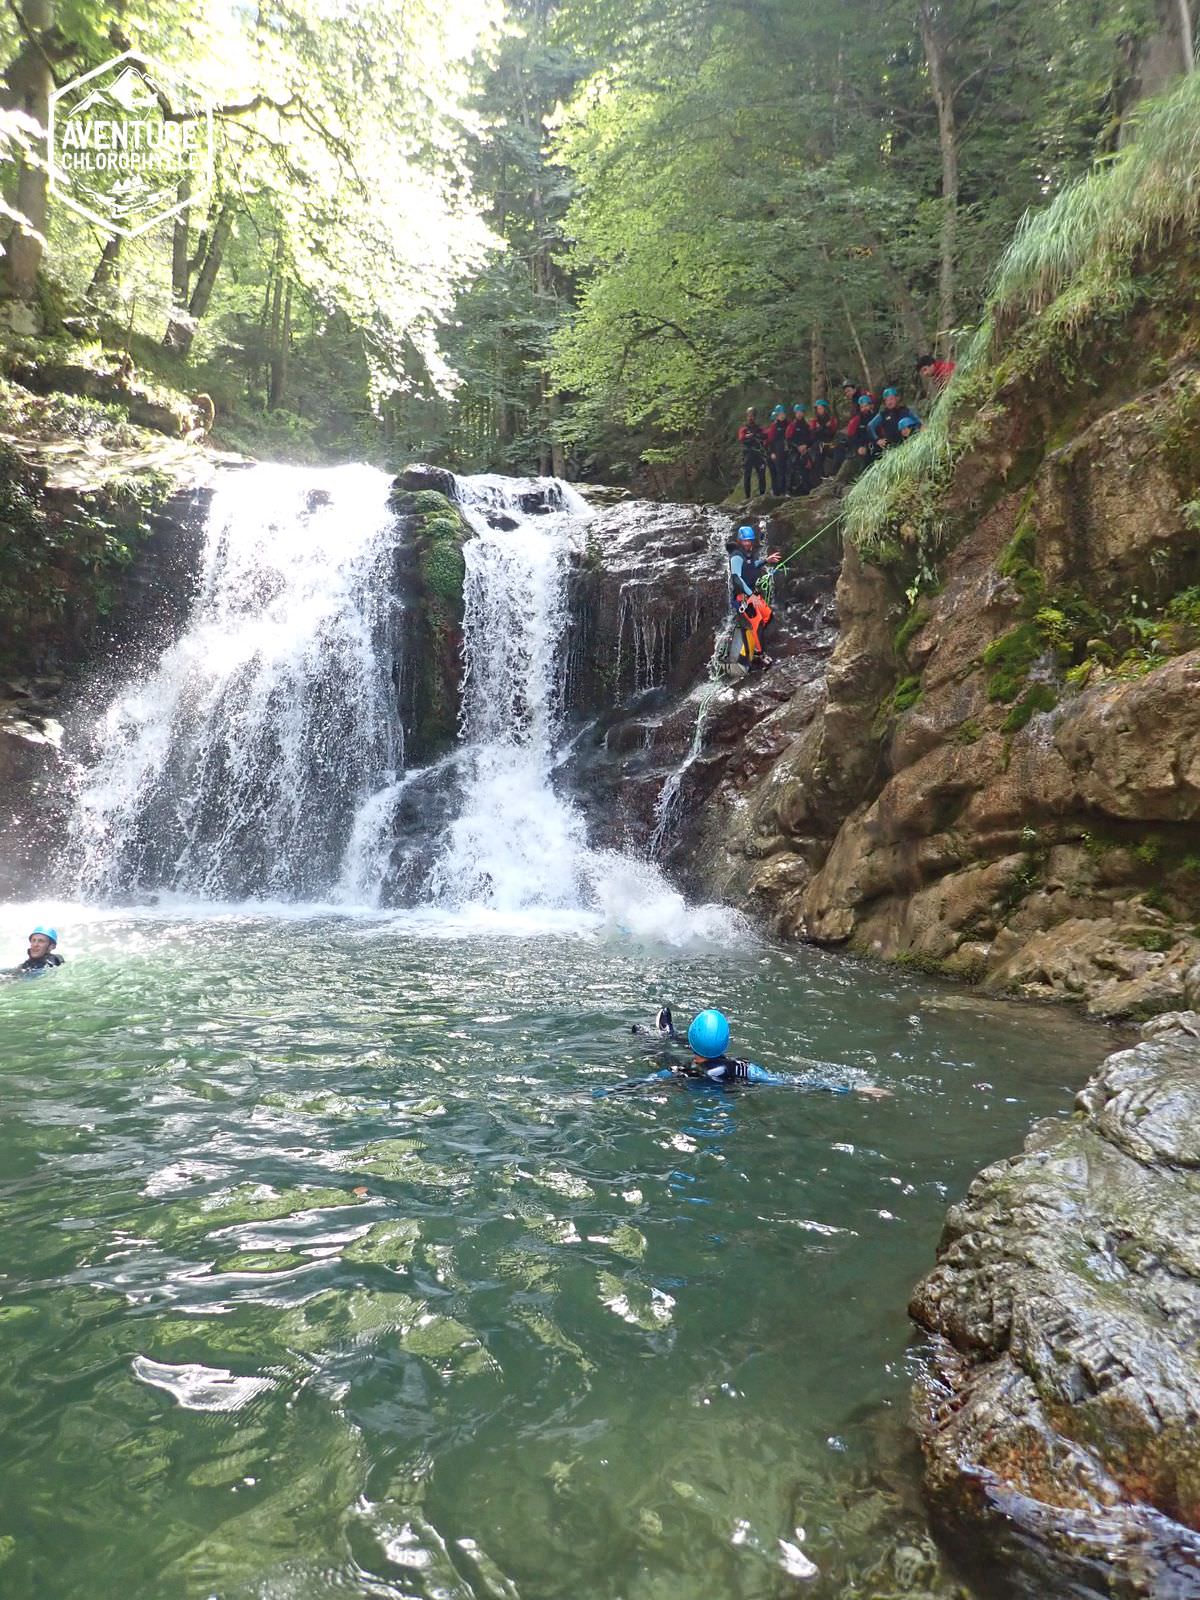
832, 523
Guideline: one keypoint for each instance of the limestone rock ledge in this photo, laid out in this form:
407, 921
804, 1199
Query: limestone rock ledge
1058, 1404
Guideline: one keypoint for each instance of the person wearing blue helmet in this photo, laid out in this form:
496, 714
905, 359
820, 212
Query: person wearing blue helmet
751, 611
885, 428
708, 1038
42, 956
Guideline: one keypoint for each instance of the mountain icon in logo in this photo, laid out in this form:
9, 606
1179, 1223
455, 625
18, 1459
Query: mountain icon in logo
131, 90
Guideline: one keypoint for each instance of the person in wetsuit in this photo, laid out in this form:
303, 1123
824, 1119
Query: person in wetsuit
753, 441
42, 956
708, 1040
751, 613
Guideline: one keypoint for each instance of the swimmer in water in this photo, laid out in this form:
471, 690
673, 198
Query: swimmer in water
42, 956
708, 1040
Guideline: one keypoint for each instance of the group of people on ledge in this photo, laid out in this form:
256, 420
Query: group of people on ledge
799, 450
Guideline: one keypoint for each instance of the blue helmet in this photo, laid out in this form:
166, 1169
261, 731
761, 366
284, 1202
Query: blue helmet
891, 394
709, 1034
746, 534
799, 407
866, 399
46, 933
779, 411
817, 404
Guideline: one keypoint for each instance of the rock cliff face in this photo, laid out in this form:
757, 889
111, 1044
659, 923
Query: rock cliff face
999, 774
1059, 1407
665, 752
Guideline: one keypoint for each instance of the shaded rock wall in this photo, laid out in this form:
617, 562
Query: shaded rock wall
1059, 1401
646, 605
999, 776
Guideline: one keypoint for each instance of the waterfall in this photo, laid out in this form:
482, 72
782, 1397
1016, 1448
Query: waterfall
515, 843
264, 756
235, 767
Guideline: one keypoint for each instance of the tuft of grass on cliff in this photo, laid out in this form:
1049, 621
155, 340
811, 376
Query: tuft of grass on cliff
1067, 267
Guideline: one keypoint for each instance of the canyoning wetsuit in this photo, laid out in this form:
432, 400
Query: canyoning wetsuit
34, 967
800, 463
753, 441
751, 611
720, 1071
885, 426
858, 437
777, 455
824, 430
724, 1070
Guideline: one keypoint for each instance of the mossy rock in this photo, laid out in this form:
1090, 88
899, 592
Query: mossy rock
438, 536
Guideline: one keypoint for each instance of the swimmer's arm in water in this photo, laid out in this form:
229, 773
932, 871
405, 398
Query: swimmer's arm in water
665, 1034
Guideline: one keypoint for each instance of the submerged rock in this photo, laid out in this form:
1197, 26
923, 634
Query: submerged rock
1059, 1403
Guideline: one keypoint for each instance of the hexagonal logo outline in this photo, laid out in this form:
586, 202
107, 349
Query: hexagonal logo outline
59, 181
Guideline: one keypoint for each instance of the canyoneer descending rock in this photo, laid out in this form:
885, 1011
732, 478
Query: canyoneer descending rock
707, 1040
751, 609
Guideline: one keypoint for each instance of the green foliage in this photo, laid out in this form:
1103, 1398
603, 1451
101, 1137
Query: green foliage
903, 697
443, 571
1038, 697
60, 563
908, 629
1155, 939
1066, 275
1148, 851
440, 534
430, 502
1017, 563
1122, 208
1010, 657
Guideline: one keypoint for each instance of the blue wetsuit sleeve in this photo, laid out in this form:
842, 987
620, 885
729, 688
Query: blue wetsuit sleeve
753, 1073
735, 568
757, 1074
873, 427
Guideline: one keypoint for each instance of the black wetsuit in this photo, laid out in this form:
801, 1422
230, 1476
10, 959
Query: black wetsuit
36, 964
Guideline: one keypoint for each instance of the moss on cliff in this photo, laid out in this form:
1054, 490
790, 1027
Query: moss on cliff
1061, 322
62, 556
437, 535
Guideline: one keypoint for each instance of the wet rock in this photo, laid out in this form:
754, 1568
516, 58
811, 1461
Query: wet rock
1057, 1406
423, 476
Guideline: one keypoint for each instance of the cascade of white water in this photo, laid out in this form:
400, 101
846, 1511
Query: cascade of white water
235, 766
515, 843
263, 757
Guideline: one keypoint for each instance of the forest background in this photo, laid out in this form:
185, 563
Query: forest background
576, 236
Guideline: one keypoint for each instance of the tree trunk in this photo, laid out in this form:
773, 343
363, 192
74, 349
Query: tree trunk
180, 263
28, 85
820, 378
865, 373
106, 267
180, 333
1187, 42
281, 330
943, 100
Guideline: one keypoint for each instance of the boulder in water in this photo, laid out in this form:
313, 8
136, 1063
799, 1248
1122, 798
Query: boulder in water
422, 476
1058, 1407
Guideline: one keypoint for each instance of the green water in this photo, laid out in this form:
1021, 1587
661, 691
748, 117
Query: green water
324, 1274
